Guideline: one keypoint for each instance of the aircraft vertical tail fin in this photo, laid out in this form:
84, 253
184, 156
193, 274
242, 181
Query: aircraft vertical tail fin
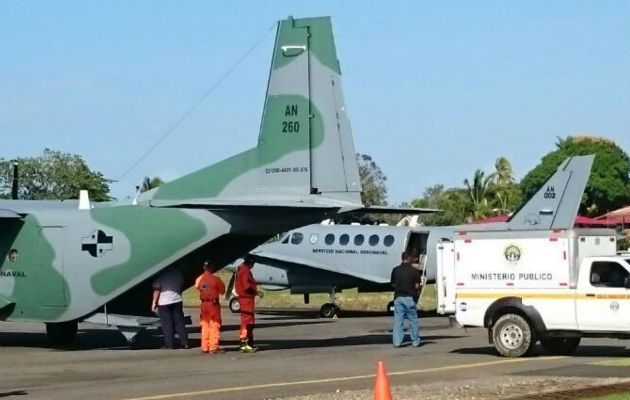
305, 151
556, 203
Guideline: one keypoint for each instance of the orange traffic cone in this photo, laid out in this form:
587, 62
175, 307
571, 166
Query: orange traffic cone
381, 384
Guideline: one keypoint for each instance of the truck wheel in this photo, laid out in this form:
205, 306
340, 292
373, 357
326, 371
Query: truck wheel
560, 345
62, 333
234, 305
513, 336
328, 310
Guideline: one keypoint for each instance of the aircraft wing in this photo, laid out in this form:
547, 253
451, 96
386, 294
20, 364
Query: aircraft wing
280, 260
262, 202
394, 210
8, 214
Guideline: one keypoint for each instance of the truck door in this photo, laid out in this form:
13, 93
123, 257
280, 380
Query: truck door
603, 303
445, 278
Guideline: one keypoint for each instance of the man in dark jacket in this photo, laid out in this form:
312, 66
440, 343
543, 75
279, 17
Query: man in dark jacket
406, 281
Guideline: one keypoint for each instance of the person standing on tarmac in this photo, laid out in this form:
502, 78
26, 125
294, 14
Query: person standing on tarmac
247, 290
168, 303
210, 287
406, 281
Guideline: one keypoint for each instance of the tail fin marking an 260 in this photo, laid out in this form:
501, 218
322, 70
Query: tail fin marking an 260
305, 151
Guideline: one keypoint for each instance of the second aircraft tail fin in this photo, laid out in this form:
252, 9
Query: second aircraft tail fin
556, 203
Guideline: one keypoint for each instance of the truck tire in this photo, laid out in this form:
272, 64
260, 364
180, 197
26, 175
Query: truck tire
560, 345
513, 336
62, 333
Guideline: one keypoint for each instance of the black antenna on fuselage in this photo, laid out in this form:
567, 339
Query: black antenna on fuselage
14, 187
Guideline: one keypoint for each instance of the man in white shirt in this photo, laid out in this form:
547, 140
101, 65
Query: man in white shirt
168, 302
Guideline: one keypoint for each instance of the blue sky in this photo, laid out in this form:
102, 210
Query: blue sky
434, 90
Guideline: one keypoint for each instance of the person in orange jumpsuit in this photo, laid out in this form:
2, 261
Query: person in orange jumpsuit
210, 287
246, 290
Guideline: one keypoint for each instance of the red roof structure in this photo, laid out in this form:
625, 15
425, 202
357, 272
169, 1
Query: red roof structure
580, 221
622, 214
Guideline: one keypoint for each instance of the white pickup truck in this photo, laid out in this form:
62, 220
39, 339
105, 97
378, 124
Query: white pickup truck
555, 286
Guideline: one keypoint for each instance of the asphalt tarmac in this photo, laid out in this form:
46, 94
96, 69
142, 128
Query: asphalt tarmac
301, 354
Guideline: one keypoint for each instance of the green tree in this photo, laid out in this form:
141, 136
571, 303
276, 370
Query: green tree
454, 204
373, 182
478, 193
151, 183
53, 175
503, 174
503, 191
609, 185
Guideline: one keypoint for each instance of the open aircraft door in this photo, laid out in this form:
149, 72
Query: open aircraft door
445, 277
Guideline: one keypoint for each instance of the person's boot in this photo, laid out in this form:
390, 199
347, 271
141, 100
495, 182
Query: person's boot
245, 347
251, 344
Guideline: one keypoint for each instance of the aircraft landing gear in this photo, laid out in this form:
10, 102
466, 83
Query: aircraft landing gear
62, 333
330, 309
234, 305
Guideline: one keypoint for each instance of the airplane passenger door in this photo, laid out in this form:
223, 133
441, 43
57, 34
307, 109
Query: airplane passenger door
445, 278
49, 270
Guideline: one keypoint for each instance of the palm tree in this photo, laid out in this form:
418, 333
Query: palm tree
477, 192
503, 174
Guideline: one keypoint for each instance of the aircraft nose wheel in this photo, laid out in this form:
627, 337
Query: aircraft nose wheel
234, 305
328, 310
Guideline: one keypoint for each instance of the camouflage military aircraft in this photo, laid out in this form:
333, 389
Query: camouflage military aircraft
61, 264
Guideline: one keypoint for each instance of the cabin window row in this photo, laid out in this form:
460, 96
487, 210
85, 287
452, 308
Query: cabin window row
343, 240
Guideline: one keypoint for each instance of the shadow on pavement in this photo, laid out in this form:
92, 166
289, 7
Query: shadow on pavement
283, 344
14, 393
112, 339
582, 351
309, 313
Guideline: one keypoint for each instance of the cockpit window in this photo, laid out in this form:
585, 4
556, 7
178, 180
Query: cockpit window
358, 240
388, 240
344, 239
373, 240
329, 239
297, 238
285, 239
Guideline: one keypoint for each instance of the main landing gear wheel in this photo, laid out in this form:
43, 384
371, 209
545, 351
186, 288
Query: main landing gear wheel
512, 336
560, 345
234, 305
390, 307
62, 333
328, 310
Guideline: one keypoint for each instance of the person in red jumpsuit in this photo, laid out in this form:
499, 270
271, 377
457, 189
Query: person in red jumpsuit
247, 290
210, 287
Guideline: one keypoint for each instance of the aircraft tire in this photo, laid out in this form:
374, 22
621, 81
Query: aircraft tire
328, 310
234, 305
390, 308
62, 333
560, 345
